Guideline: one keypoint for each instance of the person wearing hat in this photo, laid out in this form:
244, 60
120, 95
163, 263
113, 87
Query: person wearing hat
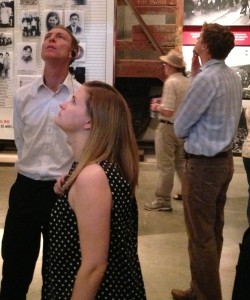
168, 148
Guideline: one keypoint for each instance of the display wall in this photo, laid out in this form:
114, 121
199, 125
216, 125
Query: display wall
23, 24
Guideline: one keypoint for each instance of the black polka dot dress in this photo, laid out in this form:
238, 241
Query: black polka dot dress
122, 279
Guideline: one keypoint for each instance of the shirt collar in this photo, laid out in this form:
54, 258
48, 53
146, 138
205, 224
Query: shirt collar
210, 63
68, 83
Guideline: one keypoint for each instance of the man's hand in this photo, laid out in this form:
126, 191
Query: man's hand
155, 104
195, 64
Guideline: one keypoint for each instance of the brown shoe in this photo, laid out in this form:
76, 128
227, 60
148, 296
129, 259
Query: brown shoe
177, 197
183, 295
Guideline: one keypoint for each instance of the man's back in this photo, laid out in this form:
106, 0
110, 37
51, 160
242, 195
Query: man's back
212, 109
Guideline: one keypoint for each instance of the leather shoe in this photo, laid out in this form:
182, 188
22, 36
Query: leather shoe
183, 295
177, 197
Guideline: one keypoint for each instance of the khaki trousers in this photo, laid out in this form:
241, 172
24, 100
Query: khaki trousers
170, 157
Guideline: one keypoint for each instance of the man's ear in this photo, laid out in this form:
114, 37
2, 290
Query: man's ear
204, 46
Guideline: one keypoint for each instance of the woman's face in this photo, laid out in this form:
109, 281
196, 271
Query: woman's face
53, 21
73, 116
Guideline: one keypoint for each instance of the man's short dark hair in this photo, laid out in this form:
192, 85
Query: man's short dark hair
27, 47
219, 40
73, 15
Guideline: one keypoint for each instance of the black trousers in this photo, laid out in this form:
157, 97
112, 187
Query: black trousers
30, 204
241, 288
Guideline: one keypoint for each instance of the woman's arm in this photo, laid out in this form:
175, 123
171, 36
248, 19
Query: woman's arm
91, 199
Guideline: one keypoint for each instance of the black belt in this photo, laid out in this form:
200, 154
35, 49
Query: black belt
166, 122
28, 180
219, 155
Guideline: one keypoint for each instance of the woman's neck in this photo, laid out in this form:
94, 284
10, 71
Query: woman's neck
78, 143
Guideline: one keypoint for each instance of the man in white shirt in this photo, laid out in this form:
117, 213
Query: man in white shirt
43, 156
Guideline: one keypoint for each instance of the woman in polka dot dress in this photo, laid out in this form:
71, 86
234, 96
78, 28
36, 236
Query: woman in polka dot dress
94, 224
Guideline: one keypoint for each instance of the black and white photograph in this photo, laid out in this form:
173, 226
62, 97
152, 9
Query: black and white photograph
7, 14
25, 79
236, 60
54, 3
243, 71
26, 57
6, 39
81, 56
78, 2
52, 19
239, 60
224, 12
5, 64
78, 66
28, 2
74, 22
31, 23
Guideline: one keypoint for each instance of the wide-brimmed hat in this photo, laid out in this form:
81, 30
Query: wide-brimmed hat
174, 58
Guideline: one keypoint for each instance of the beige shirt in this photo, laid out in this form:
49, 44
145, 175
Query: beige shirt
174, 90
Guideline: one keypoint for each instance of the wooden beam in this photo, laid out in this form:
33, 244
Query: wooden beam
179, 23
156, 3
167, 28
161, 33
139, 68
144, 27
156, 10
131, 45
156, 7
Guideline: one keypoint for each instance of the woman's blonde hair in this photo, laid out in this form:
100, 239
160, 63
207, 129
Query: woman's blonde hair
111, 135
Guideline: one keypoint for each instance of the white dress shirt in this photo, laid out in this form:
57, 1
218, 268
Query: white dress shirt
42, 149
